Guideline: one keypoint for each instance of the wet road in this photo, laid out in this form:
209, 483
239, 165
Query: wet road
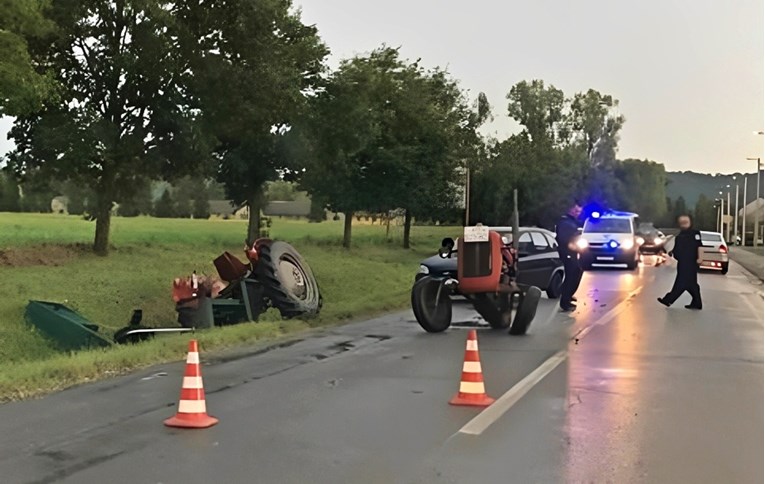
623, 390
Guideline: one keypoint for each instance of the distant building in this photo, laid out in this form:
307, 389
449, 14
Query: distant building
297, 208
226, 209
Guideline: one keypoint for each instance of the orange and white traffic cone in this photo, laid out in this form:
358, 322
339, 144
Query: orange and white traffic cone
192, 411
472, 391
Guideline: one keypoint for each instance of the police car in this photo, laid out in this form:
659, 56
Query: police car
610, 238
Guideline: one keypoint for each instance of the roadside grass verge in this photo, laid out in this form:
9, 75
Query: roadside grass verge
373, 277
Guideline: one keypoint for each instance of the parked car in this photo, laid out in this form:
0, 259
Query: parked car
715, 252
609, 238
538, 261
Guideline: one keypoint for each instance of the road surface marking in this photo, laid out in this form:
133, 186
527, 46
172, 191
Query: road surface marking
491, 414
606, 318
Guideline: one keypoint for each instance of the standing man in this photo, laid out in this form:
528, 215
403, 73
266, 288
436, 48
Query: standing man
566, 233
688, 252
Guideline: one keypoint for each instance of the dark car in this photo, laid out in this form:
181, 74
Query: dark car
538, 261
651, 240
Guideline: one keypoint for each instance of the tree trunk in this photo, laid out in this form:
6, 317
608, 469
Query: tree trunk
407, 227
347, 229
103, 224
253, 226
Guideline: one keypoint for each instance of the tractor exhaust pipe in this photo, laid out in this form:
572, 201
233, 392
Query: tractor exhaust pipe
515, 220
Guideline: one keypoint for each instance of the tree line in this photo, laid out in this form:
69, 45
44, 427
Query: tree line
111, 95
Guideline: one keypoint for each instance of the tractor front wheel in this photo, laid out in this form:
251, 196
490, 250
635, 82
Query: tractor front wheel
431, 304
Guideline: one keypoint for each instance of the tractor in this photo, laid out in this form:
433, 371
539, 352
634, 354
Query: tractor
486, 277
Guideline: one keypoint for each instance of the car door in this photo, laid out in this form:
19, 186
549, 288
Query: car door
534, 259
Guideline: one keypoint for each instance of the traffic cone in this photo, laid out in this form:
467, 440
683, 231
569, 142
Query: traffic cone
192, 411
472, 391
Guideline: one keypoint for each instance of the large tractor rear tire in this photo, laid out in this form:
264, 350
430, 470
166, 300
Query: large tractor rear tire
288, 281
431, 305
527, 309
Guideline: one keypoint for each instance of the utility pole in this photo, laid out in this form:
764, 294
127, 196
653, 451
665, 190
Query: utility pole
727, 228
467, 196
735, 218
718, 216
743, 216
757, 207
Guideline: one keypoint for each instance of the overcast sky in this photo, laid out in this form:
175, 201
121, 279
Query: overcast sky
688, 73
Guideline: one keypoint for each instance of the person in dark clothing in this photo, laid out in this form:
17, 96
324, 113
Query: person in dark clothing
566, 233
688, 252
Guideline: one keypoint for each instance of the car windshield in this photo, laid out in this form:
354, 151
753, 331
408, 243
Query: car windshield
608, 226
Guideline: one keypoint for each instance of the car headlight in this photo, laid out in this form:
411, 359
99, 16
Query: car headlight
640, 240
628, 244
423, 269
657, 241
582, 244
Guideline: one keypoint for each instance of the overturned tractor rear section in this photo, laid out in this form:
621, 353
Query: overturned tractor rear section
275, 275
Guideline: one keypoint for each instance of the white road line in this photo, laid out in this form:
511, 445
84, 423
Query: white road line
491, 414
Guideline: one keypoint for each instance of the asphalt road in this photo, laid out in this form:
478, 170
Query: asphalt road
623, 391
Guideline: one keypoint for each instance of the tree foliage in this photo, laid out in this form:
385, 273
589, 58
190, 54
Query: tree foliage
387, 134
124, 110
256, 61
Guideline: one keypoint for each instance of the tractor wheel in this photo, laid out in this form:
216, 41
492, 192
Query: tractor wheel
288, 281
488, 306
527, 309
431, 304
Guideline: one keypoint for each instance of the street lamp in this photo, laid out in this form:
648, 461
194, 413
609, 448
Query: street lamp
735, 216
756, 203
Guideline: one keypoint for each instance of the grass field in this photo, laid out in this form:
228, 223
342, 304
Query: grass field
47, 257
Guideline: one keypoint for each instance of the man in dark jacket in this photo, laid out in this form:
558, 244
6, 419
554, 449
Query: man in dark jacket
688, 252
566, 233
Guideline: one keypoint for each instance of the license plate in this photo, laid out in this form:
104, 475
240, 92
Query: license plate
478, 233
605, 258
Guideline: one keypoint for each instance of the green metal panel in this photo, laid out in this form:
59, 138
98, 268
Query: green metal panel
67, 327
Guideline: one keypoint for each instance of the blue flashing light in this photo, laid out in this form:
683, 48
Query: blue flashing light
595, 215
613, 244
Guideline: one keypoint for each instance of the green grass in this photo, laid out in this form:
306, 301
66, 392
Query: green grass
372, 277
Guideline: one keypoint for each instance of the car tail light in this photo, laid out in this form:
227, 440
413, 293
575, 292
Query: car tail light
723, 249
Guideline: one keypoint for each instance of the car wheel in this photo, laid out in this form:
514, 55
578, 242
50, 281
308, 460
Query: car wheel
553, 290
724, 269
431, 305
527, 309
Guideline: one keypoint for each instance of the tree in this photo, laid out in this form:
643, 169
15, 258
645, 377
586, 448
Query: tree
139, 202
643, 188
538, 108
340, 135
10, 200
124, 109
257, 62
680, 208
388, 134
594, 120
280, 190
705, 216
24, 83
165, 206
